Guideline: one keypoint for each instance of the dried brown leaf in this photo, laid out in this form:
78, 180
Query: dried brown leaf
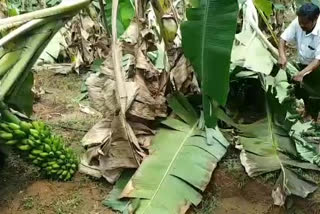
101, 91
112, 152
98, 134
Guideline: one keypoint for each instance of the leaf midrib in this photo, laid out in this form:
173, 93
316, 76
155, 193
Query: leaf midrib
274, 141
170, 165
203, 39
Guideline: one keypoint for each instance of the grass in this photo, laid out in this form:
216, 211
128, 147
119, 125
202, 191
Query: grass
208, 205
233, 165
28, 203
67, 206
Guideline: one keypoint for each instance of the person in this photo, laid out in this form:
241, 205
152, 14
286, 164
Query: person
305, 32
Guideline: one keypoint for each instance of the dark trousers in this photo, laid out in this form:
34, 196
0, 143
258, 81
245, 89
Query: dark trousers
309, 91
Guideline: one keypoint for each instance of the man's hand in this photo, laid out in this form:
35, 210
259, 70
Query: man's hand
314, 65
282, 61
299, 77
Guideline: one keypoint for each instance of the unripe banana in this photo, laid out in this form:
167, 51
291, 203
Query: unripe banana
11, 142
13, 126
41, 147
6, 136
24, 147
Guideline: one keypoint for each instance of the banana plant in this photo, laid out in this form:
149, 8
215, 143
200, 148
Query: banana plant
163, 183
275, 142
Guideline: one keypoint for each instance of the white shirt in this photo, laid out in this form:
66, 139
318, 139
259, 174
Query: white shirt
308, 44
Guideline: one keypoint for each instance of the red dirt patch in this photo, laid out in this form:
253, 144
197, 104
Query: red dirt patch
80, 196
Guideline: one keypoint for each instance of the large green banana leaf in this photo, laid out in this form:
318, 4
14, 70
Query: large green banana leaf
207, 39
179, 167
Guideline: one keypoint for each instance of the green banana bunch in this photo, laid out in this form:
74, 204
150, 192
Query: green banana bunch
41, 147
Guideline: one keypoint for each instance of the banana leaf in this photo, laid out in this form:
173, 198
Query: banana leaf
267, 146
16, 84
265, 6
207, 39
20, 49
179, 167
126, 13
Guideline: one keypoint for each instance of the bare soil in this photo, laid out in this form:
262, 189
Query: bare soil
22, 191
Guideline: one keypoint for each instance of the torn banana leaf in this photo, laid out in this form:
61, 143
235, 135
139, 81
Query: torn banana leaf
308, 151
267, 146
182, 159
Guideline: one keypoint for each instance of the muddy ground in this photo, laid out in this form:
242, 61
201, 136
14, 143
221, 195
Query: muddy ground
22, 191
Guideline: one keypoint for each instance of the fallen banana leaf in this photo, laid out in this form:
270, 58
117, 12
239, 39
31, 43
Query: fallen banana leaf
266, 146
207, 39
307, 151
163, 183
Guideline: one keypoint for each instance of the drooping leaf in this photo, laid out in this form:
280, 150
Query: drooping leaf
207, 39
183, 108
163, 182
249, 52
51, 52
126, 12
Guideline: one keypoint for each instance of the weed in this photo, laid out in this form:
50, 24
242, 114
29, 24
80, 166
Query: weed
28, 203
208, 205
66, 206
270, 177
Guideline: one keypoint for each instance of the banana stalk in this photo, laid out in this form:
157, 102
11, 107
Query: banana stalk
120, 82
